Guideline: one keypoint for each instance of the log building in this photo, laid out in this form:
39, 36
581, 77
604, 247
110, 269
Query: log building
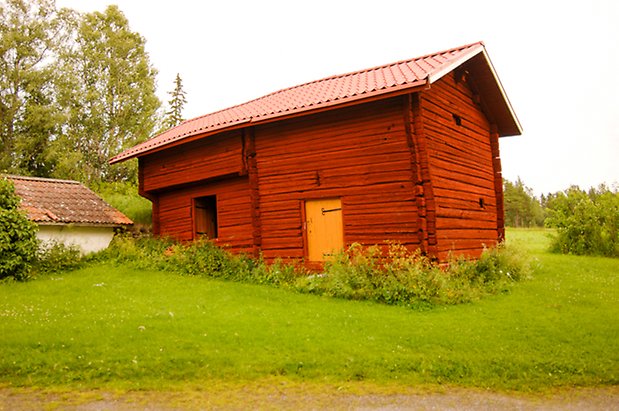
404, 152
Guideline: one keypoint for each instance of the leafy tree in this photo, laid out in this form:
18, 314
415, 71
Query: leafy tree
31, 35
522, 209
586, 223
74, 91
174, 116
18, 241
108, 96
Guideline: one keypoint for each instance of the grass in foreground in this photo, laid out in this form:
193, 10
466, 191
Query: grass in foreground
114, 327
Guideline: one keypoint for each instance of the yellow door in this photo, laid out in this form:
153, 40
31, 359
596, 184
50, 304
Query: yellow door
323, 219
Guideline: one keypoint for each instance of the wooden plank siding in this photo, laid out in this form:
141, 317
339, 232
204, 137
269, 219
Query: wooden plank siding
498, 182
462, 168
402, 167
358, 154
211, 157
234, 215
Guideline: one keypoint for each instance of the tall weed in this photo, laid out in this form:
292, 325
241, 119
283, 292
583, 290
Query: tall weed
53, 257
404, 277
200, 257
398, 277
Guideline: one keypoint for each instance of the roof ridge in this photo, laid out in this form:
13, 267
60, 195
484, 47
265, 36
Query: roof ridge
323, 92
395, 63
31, 178
334, 76
352, 73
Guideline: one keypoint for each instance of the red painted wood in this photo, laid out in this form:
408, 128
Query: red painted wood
233, 212
209, 158
462, 167
424, 185
249, 158
358, 154
498, 182
404, 170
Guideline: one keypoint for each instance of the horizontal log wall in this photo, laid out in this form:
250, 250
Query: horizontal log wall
233, 212
207, 158
461, 165
368, 155
359, 154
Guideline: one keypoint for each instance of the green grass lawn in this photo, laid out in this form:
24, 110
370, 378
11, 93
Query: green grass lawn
116, 327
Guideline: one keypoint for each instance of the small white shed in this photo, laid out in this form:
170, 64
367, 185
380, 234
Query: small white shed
66, 211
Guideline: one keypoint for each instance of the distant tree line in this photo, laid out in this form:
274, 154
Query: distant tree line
522, 208
75, 90
587, 222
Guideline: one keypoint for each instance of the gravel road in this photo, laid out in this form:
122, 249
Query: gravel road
582, 399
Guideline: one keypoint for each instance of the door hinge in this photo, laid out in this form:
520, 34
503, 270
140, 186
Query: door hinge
330, 210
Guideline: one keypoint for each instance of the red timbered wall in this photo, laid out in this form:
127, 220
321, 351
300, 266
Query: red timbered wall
233, 212
207, 158
402, 167
359, 154
461, 167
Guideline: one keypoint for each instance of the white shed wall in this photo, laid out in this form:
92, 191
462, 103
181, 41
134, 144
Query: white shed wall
88, 239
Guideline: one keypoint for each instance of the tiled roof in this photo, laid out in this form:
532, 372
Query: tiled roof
330, 91
49, 201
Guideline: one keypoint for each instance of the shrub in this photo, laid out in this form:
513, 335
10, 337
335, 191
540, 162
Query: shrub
18, 241
194, 258
401, 277
586, 223
197, 258
408, 278
53, 257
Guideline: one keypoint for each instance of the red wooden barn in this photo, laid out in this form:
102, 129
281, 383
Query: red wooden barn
404, 152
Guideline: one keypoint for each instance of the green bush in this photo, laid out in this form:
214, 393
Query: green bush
18, 241
586, 223
407, 278
400, 277
194, 258
54, 257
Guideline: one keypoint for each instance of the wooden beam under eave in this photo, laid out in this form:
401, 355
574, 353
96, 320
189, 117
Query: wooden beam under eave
494, 102
249, 159
424, 193
498, 182
152, 197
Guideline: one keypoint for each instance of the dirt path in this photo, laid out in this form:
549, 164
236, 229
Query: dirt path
295, 399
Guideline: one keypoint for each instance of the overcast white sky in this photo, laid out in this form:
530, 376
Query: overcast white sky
558, 62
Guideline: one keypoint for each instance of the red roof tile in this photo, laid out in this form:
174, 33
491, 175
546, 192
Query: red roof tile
49, 201
317, 94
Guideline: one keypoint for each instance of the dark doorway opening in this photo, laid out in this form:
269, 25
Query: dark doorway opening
206, 216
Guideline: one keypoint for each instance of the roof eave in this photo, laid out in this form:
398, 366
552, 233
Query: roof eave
514, 127
455, 63
80, 224
510, 108
279, 116
500, 110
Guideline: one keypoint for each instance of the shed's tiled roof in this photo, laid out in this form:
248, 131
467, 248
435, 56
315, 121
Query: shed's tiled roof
330, 91
49, 201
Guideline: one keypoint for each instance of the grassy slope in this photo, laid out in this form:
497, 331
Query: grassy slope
125, 197
108, 326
